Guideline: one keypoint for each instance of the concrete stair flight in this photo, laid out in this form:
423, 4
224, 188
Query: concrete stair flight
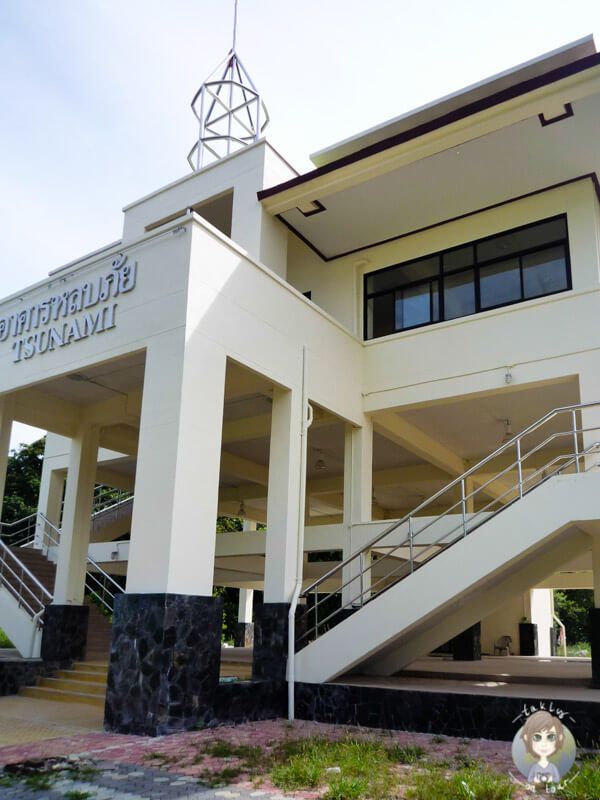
98, 634
37, 563
85, 682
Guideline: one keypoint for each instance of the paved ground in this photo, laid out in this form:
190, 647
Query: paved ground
28, 719
170, 767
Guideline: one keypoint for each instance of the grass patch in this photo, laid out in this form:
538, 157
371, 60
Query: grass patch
581, 649
473, 783
75, 794
4, 640
586, 783
365, 768
406, 754
7, 780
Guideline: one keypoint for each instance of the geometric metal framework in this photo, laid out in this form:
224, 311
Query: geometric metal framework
229, 109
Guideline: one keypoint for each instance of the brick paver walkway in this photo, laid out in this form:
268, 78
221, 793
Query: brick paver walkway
141, 768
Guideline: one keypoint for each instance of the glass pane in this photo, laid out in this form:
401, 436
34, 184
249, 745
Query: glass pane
382, 280
500, 283
455, 259
412, 306
435, 301
516, 241
400, 276
545, 272
380, 316
459, 295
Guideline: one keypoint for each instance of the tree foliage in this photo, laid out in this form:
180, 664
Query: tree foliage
572, 607
23, 475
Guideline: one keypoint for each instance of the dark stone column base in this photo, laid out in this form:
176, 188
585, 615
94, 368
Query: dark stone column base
165, 655
528, 639
467, 645
270, 642
65, 633
243, 635
595, 645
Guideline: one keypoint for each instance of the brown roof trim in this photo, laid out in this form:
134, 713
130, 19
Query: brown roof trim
439, 122
589, 175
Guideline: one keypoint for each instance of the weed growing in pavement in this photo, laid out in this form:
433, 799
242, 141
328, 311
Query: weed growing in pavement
75, 794
437, 739
7, 780
406, 754
217, 778
585, 785
362, 768
472, 783
346, 789
40, 781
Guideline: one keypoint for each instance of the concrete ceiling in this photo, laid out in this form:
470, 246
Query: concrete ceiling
513, 161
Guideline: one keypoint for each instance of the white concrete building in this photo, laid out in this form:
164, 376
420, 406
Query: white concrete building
348, 357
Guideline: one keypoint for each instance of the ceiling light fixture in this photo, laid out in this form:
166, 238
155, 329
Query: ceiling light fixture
508, 434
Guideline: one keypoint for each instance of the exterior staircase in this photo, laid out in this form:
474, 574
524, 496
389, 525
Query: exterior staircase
521, 512
85, 682
37, 563
98, 634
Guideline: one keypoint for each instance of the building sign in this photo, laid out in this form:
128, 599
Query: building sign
79, 307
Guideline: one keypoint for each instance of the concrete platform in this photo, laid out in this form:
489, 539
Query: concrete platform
558, 677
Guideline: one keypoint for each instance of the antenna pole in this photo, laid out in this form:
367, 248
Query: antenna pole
235, 12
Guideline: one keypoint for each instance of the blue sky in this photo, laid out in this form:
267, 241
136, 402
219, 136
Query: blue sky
94, 94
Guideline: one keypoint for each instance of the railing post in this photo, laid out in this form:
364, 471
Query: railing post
316, 612
575, 443
361, 582
410, 543
519, 468
463, 504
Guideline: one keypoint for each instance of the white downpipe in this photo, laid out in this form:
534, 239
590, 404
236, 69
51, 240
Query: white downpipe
307, 418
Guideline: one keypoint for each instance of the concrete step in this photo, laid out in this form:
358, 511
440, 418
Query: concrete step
80, 675
71, 685
44, 693
91, 666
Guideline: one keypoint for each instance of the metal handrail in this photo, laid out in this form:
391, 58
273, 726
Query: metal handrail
104, 498
32, 601
90, 578
466, 522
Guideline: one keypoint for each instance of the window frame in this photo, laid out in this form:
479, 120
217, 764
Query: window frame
476, 267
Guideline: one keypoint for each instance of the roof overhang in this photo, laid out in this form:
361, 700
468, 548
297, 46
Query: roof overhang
446, 165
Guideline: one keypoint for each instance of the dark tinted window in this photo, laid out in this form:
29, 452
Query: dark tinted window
510, 267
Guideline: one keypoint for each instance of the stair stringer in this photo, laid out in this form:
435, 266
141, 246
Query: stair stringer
503, 543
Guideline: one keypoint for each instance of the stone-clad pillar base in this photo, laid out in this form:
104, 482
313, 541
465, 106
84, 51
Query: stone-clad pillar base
243, 635
467, 645
270, 642
164, 663
595, 645
64, 635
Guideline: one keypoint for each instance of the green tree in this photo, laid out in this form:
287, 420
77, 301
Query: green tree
572, 607
23, 475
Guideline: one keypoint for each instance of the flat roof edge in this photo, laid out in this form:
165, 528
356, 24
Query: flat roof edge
509, 93
561, 56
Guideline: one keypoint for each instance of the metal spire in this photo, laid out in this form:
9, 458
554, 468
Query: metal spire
229, 109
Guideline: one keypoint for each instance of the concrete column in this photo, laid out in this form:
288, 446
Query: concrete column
358, 491
245, 605
283, 502
595, 612
75, 531
177, 478
6, 421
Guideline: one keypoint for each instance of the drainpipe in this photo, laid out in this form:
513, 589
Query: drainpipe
307, 418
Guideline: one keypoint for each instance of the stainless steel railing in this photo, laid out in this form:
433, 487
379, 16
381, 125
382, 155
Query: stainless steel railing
502, 478
22, 584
